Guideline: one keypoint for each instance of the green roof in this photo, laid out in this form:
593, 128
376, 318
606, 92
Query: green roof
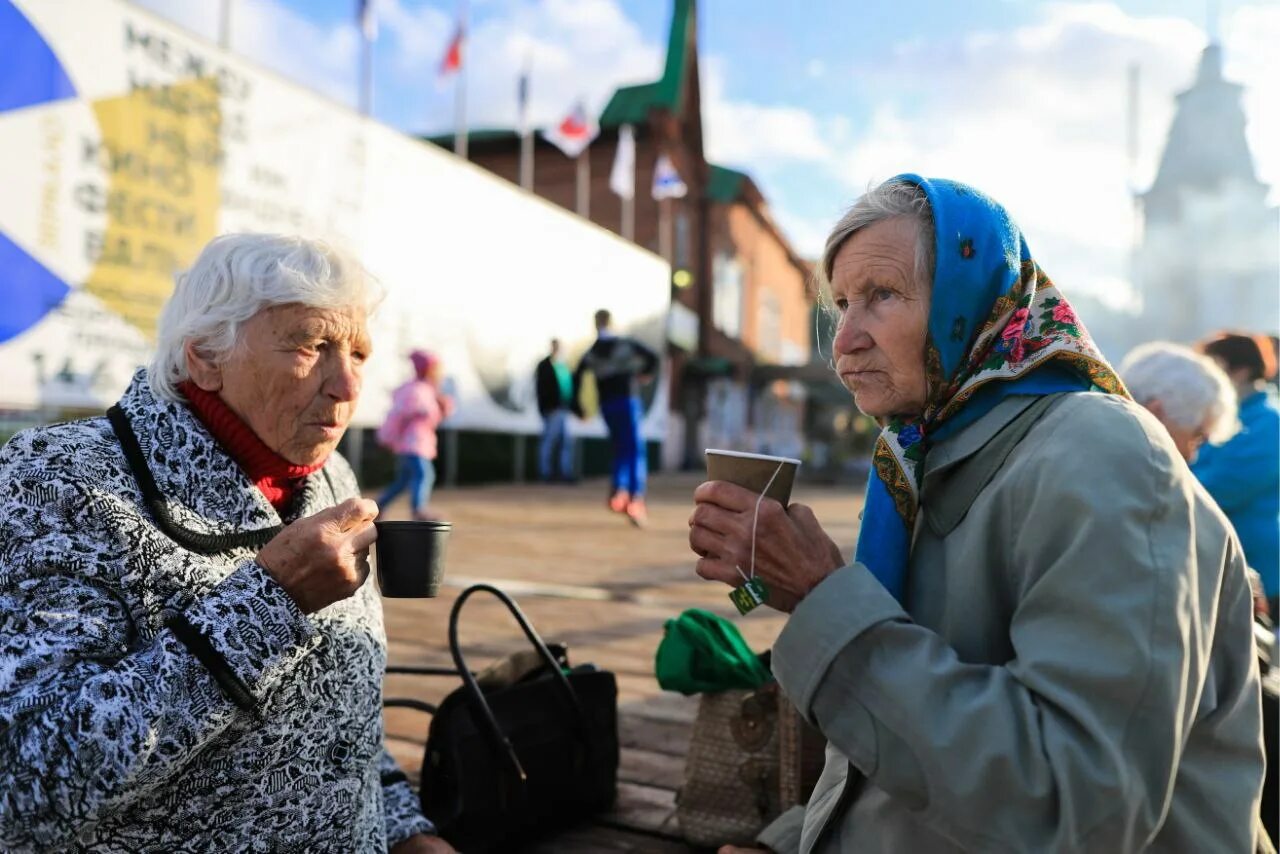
631, 104
445, 140
724, 184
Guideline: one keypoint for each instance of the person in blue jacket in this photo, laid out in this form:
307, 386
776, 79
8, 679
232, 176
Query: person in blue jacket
1243, 474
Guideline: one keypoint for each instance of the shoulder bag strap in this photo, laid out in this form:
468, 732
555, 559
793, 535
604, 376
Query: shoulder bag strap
201, 543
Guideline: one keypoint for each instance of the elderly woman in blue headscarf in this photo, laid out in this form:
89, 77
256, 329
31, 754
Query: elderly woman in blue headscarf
1043, 642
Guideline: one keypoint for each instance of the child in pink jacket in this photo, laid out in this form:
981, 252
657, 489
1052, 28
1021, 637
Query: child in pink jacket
417, 408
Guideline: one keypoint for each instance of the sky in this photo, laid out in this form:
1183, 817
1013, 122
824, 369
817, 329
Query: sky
1022, 98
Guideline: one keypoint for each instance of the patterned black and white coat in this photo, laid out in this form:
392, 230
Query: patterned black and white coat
114, 736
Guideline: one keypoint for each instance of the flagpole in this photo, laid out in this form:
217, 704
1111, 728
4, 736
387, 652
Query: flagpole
460, 93
366, 79
664, 229
584, 183
526, 131
526, 161
629, 217
224, 25
368, 34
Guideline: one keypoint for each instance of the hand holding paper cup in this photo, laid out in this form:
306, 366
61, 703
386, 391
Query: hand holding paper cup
768, 477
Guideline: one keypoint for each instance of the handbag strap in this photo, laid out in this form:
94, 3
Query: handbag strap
488, 723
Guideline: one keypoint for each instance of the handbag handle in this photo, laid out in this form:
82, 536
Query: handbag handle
476, 697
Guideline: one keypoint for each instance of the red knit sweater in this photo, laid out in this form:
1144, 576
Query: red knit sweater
278, 478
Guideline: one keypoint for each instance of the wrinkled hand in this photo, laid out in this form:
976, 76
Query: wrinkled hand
421, 843
323, 558
793, 553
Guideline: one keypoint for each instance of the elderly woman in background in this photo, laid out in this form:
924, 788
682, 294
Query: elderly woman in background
1185, 391
1195, 401
1043, 642
1243, 475
409, 431
191, 656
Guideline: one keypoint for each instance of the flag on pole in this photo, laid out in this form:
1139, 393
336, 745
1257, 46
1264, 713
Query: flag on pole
574, 133
522, 102
451, 63
369, 19
622, 178
666, 180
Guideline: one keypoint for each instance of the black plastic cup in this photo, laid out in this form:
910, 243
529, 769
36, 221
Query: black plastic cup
410, 558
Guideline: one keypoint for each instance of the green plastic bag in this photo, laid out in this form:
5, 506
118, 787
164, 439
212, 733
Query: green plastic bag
703, 653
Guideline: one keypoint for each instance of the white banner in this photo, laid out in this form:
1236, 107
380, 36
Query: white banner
126, 144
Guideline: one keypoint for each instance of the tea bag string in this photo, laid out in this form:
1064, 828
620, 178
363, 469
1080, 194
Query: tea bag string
755, 519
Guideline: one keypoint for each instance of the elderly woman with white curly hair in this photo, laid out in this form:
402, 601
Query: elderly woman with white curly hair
1190, 395
1043, 642
191, 655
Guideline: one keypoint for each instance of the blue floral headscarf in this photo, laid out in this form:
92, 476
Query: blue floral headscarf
997, 327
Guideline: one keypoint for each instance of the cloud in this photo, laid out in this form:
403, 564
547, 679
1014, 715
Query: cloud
1250, 38
558, 39
324, 57
1037, 118
746, 133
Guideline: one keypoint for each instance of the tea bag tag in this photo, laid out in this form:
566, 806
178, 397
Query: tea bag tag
753, 593
749, 596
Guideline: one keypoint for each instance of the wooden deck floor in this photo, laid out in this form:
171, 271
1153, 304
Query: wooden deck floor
587, 579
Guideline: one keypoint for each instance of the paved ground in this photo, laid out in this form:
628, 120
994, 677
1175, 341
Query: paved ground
585, 578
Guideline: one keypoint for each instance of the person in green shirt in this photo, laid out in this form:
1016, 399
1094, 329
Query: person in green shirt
554, 384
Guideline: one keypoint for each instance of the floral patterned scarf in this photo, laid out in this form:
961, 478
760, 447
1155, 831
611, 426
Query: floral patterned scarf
997, 327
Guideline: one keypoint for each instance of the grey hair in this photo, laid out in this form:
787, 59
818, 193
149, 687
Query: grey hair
1190, 387
893, 198
235, 277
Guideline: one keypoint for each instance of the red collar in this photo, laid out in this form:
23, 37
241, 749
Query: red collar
278, 478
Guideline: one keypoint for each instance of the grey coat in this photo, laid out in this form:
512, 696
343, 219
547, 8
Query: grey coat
157, 699
1076, 671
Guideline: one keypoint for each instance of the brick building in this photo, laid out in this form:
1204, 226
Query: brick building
740, 300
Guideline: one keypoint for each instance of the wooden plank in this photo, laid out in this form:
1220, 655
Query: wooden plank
598, 839
663, 706
645, 808
658, 736
650, 768
408, 755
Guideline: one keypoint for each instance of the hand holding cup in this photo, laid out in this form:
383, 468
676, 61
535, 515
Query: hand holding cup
323, 558
792, 554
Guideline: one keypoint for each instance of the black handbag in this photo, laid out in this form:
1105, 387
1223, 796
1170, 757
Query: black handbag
509, 761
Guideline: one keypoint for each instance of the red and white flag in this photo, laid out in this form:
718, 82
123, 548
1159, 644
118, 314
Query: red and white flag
451, 63
574, 133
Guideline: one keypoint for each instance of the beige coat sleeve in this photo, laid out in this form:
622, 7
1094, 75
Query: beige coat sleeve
1074, 743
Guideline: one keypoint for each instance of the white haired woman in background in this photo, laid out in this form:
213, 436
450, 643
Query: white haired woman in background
1187, 392
191, 658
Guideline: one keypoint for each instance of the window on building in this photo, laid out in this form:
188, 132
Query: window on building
726, 300
769, 327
